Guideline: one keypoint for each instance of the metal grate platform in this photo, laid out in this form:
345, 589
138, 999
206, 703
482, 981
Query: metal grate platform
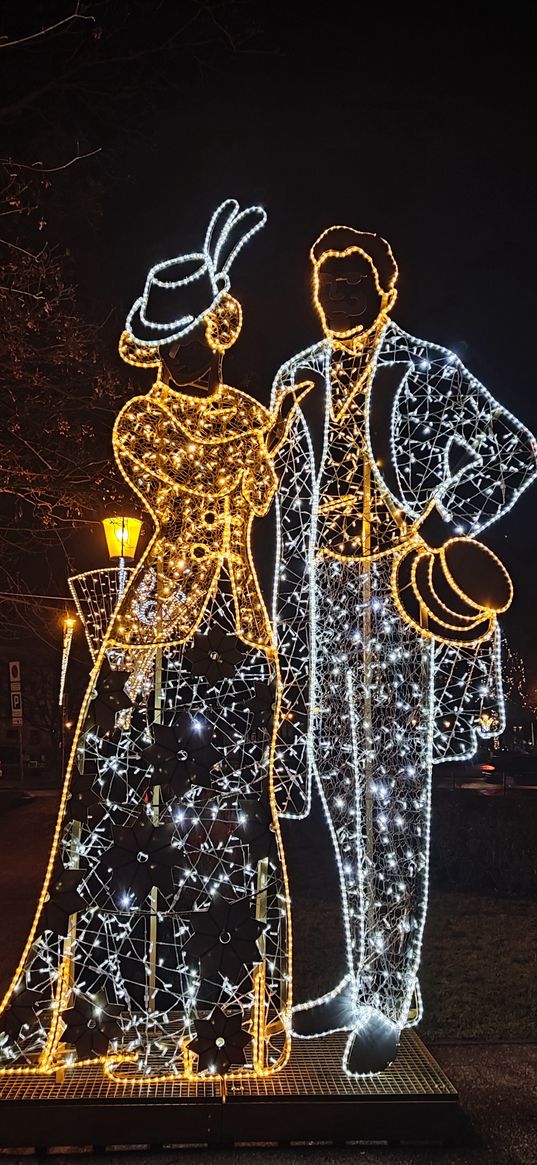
311, 1099
314, 1069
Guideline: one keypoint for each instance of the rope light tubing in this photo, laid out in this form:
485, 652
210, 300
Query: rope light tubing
161, 946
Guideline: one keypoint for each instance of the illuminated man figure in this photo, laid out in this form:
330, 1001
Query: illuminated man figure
385, 609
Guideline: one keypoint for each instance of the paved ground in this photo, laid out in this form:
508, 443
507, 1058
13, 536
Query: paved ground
497, 1082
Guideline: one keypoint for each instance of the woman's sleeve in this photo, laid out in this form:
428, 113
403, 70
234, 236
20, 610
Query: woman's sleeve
259, 481
143, 436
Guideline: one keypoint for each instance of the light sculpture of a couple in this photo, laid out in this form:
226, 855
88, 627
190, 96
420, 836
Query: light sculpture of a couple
161, 946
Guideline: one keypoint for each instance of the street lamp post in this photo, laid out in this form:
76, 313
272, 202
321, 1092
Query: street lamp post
122, 539
97, 594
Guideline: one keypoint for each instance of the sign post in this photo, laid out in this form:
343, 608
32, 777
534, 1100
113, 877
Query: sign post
16, 707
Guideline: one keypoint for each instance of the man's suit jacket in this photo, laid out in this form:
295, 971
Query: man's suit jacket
434, 433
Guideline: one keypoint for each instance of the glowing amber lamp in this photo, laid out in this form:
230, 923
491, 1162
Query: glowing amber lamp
122, 536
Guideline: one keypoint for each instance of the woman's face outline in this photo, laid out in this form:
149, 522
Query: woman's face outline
188, 361
194, 362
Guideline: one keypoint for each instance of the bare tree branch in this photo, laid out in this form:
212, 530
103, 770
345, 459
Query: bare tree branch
76, 15
38, 166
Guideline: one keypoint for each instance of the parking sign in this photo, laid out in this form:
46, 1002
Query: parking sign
16, 693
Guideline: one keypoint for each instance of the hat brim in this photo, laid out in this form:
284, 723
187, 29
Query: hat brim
159, 334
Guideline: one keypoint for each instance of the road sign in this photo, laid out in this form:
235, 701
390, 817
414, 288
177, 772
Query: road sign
16, 693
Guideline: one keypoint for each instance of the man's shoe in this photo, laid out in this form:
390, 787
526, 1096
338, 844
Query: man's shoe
333, 1012
372, 1045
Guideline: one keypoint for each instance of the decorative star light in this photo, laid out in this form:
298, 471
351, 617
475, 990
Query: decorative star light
220, 1042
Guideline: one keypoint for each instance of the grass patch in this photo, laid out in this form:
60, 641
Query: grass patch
479, 968
479, 964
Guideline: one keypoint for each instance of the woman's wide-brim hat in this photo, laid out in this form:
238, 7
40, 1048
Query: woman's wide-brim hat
179, 292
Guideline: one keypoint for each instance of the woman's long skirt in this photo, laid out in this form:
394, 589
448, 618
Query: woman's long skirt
161, 942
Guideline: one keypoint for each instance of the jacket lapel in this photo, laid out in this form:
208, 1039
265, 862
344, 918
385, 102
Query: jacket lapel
385, 386
384, 389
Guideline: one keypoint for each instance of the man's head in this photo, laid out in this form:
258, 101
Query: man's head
354, 277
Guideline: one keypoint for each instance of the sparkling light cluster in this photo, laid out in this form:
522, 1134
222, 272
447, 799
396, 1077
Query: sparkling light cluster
170, 896
97, 594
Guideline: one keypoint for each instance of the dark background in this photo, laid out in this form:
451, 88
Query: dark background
417, 123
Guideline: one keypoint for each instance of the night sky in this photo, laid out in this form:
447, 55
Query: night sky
417, 123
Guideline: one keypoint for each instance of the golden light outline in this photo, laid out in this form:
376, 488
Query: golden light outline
424, 631
495, 559
256, 424
424, 605
387, 298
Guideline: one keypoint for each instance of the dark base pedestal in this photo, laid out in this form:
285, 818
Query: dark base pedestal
311, 1100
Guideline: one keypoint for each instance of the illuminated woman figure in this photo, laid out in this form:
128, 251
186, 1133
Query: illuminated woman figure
385, 611
163, 928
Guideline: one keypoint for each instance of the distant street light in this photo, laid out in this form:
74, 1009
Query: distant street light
69, 624
68, 627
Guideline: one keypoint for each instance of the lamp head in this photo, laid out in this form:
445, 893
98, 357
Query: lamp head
122, 536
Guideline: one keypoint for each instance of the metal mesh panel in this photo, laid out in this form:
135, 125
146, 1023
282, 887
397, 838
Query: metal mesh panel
96, 594
314, 1070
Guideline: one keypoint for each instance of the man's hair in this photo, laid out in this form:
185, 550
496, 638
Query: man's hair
341, 238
